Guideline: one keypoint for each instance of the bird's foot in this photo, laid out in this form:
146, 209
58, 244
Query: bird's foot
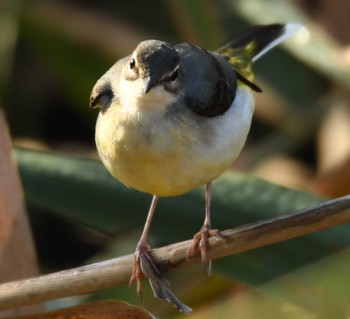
141, 254
201, 239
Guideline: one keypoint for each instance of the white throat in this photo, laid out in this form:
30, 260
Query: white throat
133, 97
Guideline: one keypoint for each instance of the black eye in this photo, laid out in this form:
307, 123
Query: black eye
173, 77
132, 63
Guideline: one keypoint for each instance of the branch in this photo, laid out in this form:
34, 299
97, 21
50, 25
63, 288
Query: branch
117, 271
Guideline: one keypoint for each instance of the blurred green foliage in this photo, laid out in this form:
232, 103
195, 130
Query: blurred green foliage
51, 54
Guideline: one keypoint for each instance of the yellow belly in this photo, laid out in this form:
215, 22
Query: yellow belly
165, 175
166, 166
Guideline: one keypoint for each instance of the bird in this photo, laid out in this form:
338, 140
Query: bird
174, 117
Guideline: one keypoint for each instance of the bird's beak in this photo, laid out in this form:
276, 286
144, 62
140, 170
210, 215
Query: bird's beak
150, 83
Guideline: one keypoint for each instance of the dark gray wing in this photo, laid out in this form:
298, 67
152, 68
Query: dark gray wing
209, 82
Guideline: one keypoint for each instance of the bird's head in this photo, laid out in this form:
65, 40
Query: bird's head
153, 63
151, 74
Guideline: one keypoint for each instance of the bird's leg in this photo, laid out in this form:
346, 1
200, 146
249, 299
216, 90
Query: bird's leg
142, 248
202, 236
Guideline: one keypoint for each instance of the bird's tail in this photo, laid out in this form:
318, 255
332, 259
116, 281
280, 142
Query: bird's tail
250, 45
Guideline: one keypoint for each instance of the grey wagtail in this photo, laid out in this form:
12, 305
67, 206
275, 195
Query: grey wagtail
174, 117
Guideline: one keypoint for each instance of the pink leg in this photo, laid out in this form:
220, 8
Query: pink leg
202, 236
143, 248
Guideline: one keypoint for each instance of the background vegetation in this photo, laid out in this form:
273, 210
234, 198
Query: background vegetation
51, 54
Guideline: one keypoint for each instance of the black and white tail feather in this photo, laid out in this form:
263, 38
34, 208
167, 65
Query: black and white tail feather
250, 45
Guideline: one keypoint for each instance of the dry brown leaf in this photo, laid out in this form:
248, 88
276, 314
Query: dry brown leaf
336, 182
104, 309
17, 254
334, 138
8, 203
285, 171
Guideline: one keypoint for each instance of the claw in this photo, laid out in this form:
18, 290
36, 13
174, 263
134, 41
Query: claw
201, 238
137, 275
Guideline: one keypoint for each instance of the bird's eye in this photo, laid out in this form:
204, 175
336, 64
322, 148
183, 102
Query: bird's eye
132, 63
173, 76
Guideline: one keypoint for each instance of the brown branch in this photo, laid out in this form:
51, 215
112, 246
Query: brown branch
118, 271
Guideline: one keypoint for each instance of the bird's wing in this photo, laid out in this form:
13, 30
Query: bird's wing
210, 85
